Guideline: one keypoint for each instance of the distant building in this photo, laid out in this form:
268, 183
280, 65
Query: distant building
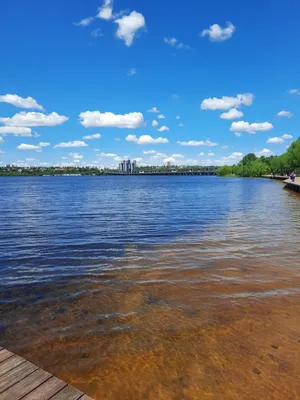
127, 167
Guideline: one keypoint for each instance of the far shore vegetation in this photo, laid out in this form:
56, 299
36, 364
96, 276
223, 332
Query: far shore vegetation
255, 166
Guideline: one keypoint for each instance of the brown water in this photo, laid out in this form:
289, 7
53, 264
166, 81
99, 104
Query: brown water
206, 313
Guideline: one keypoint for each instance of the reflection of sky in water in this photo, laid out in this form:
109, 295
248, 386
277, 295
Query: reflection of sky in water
61, 227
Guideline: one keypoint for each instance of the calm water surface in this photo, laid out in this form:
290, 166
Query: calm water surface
112, 283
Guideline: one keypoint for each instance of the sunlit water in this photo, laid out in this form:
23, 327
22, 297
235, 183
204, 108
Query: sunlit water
138, 287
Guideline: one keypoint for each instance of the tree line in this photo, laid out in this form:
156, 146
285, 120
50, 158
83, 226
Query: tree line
254, 166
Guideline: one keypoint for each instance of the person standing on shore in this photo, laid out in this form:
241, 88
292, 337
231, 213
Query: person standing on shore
293, 176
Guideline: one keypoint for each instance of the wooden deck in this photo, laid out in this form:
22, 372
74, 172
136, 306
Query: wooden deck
295, 186
19, 379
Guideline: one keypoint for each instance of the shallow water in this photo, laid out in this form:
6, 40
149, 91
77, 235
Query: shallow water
153, 287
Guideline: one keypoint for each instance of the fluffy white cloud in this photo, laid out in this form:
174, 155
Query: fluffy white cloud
264, 152
106, 10
171, 41
146, 139
92, 137
75, 143
211, 154
154, 123
107, 155
233, 113
225, 147
85, 22
44, 144
178, 117
294, 91
92, 119
20, 102
201, 154
14, 130
34, 119
242, 126
284, 113
76, 156
225, 102
236, 155
181, 125
287, 136
129, 25
1, 139
275, 140
198, 143
161, 116
153, 110
177, 156
150, 152
169, 160
38, 147
131, 72
96, 33
218, 34
163, 129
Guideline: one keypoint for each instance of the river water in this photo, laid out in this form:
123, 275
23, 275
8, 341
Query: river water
154, 287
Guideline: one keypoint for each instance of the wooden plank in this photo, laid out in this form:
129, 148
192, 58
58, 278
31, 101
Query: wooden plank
10, 364
68, 393
16, 375
47, 389
5, 354
26, 385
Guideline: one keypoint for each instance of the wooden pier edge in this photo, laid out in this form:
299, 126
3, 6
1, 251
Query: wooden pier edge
20, 379
295, 186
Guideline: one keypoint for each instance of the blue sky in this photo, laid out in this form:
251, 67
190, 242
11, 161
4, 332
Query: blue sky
78, 80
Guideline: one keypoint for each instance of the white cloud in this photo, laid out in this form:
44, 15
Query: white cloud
225, 147
211, 154
1, 139
34, 119
24, 146
198, 143
146, 139
129, 25
20, 102
201, 154
92, 137
106, 10
225, 102
92, 119
178, 117
44, 144
275, 140
181, 125
287, 136
107, 155
75, 143
233, 113
153, 110
294, 91
161, 116
218, 34
171, 41
97, 33
154, 123
238, 134
14, 130
264, 152
163, 129
85, 22
159, 156
76, 156
177, 156
169, 160
236, 155
131, 72
242, 126
150, 152
284, 113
